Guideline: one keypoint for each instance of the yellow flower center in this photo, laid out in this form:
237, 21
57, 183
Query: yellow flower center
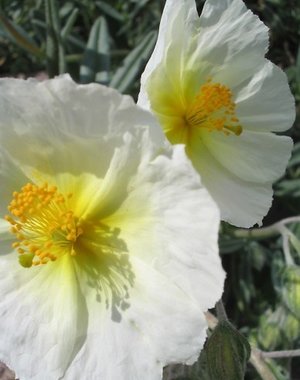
44, 226
213, 109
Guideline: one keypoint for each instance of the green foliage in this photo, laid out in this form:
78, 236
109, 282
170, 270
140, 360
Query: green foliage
96, 60
227, 353
109, 42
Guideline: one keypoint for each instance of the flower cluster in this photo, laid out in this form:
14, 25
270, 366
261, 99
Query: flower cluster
110, 233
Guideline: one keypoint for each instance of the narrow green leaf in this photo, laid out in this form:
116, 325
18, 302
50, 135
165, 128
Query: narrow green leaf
19, 36
288, 188
109, 10
295, 159
69, 24
139, 5
133, 63
75, 41
73, 58
96, 60
295, 242
56, 63
51, 43
298, 66
230, 245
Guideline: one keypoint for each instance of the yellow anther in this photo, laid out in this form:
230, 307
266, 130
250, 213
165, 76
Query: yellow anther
13, 230
42, 223
10, 219
48, 244
52, 189
33, 248
213, 109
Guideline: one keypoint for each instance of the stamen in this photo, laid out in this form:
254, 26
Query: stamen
214, 110
42, 223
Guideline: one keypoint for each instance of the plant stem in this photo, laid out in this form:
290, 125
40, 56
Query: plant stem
221, 312
266, 232
257, 360
280, 354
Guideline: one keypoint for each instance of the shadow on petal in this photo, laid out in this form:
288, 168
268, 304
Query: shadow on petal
103, 259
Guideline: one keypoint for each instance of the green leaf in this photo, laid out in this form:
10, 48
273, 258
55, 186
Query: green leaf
69, 24
96, 60
258, 255
288, 188
19, 36
227, 353
298, 67
229, 244
109, 10
291, 327
133, 63
56, 63
290, 288
278, 371
269, 334
295, 159
295, 242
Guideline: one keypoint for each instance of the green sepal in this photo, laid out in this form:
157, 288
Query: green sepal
227, 353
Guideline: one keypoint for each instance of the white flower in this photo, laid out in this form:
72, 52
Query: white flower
212, 89
116, 238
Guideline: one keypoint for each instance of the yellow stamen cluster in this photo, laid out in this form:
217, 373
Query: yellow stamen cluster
214, 109
42, 223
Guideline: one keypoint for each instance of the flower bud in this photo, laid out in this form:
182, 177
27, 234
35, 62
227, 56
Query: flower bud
227, 352
269, 333
290, 288
291, 327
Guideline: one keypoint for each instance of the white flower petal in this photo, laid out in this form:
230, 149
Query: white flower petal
177, 21
142, 337
13, 178
230, 29
175, 339
252, 156
74, 113
232, 58
6, 237
241, 203
117, 341
265, 103
42, 318
4, 230
174, 197
71, 109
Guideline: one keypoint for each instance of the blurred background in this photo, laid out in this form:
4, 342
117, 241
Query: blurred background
109, 42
